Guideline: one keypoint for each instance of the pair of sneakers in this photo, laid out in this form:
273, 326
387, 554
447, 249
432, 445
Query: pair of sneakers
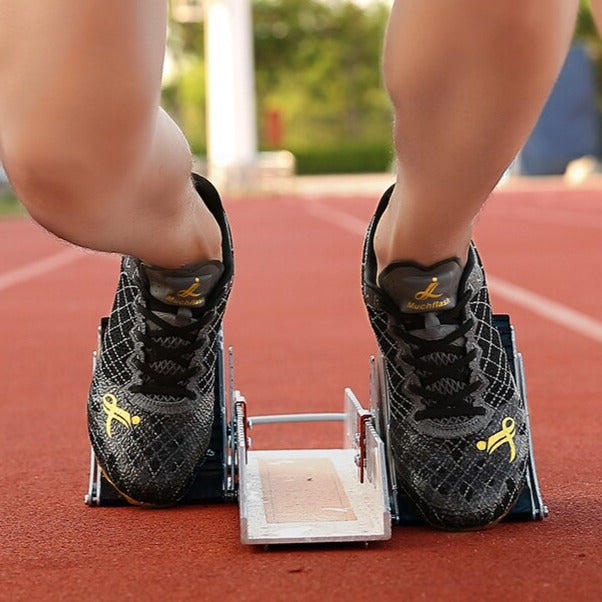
458, 432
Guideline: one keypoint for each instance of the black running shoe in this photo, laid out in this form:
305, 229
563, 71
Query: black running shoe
150, 408
458, 432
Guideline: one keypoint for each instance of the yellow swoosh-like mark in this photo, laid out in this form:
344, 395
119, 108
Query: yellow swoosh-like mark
505, 435
114, 412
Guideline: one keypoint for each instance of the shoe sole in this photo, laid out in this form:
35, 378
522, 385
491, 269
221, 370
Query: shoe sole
131, 500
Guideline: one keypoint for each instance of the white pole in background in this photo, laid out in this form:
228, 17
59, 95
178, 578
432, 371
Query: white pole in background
231, 117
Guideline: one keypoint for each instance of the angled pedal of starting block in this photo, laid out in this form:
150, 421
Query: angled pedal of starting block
214, 479
530, 504
314, 495
528, 507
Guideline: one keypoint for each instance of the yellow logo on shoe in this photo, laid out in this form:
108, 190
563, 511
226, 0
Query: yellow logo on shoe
191, 291
425, 295
506, 435
114, 412
188, 296
429, 291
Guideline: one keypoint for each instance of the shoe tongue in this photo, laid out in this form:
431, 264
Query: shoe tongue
418, 289
184, 288
426, 290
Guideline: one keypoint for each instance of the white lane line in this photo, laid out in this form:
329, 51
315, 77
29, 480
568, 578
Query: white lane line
37, 268
338, 218
552, 216
551, 310
547, 308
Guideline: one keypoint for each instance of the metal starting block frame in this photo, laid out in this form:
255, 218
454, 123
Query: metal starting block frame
314, 495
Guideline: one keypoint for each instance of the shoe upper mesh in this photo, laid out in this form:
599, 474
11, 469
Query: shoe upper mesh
437, 462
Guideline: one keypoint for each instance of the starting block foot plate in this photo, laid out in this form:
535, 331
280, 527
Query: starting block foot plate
316, 495
309, 496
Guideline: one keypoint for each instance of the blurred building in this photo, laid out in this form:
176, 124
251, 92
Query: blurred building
569, 126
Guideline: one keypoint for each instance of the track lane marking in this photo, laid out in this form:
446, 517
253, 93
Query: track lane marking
338, 218
547, 308
550, 215
39, 267
542, 306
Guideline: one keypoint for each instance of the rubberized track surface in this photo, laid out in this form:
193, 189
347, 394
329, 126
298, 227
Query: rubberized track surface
300, 335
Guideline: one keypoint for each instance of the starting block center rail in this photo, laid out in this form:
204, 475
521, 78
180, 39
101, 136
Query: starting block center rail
316, 495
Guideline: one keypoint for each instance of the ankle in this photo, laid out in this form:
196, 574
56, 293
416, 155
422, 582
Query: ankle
396, 239
206, 244
191, 236
425, 255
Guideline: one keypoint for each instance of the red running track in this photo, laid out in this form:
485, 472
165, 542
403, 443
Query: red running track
300, 334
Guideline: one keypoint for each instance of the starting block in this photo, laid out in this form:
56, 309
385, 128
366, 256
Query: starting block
314, 495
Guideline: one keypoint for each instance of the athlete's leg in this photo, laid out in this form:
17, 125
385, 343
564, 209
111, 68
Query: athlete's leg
97, 163
467, 80
85, 145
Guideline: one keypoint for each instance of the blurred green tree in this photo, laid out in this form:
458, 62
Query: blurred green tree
586, 31
184, 93
317, 67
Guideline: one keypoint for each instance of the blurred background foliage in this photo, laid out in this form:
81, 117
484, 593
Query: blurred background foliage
585, 29
318, 81
586, 32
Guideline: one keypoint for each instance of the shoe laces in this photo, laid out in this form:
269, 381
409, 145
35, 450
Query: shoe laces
442, 365
169, 348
